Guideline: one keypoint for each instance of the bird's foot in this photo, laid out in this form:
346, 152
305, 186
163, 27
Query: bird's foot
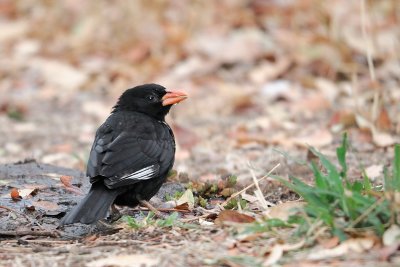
105, 228
115, 215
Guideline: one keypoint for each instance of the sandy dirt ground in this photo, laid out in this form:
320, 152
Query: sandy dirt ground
266, 79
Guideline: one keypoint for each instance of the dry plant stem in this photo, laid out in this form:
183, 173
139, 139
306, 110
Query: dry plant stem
16, 250
194, 219
166, 210
366, 39
371, 68
211, 211
365, 214
250, 186
313, 227
32, 233
31, 220
153, 209
319, 232
354, 91
41, 241
258, 192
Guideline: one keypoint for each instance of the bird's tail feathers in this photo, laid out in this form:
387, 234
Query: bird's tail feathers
93, 207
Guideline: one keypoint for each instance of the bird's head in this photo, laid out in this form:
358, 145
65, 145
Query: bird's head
151, 99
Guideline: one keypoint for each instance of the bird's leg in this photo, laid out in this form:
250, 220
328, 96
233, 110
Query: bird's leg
151, 207
114, 214
102, 224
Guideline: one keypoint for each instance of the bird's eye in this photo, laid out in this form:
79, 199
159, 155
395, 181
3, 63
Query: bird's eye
150, 97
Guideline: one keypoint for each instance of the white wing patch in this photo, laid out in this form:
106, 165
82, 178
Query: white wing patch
142, 174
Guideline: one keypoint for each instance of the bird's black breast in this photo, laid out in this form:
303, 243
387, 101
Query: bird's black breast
131, 147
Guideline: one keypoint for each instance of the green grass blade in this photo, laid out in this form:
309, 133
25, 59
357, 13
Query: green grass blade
320, 179
366, 181
396, 167
341, 155
388, 182
333, 174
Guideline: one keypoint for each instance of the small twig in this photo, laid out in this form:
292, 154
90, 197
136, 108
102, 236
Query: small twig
15, 249
368, 48
371, 68
31, 220
318, 233
41, 241
194, 219
28, 232
117, 243
366, 213
313, 228
258, 193
153, 209
165, 210
250, 186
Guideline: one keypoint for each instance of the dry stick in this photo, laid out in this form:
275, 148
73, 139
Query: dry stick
153, 209
31, 220
32, 233
364, 33
366, 213
259, 194
371, 67
319, 232
194, 219
250, 186
41, 241
164, 210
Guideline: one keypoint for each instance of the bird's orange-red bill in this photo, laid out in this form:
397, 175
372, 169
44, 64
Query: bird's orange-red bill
173, 97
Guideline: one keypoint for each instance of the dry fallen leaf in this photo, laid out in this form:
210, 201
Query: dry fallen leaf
312, 103
187, 198
379, 138
66, 180
15, 194
317, 139
46, 205
25, 192
274, 256
386, 252
243, 138
277, 252
328, 88
374, 171
284, 210
356, 245
242, 45
391, 235
268, 71
90, 238
342, 119
233, 216
133, 260
329, 243
383, 122
72, 78
12, 30
382, 139
249, 198
185, 137
183, 206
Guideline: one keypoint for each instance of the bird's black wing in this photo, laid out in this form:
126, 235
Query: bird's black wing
129, 149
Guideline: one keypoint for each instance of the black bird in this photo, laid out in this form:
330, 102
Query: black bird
132, 153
